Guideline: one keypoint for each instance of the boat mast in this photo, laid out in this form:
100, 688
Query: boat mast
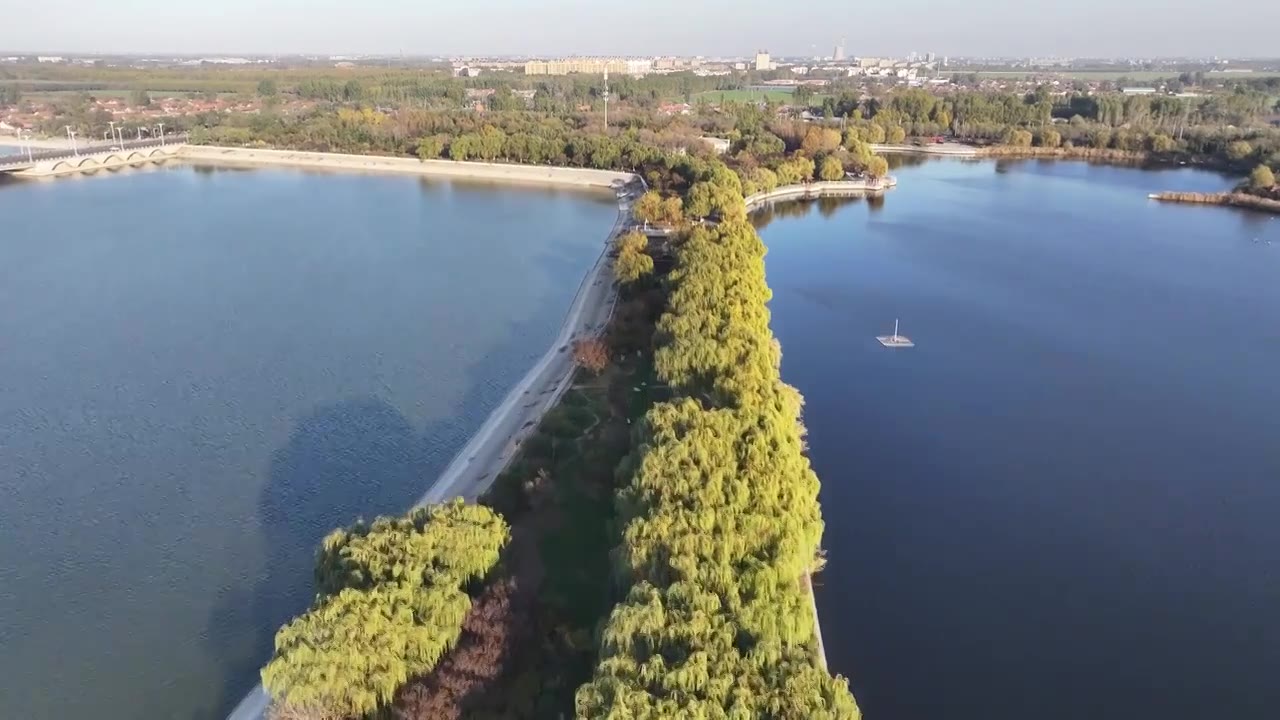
895, 328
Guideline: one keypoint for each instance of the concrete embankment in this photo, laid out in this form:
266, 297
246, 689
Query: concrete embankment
496, 172
951, 149
1229, 199
838, 188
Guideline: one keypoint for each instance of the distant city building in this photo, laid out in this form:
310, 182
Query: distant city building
763, 63
50, 58
838, 55
1138, 90
588, 66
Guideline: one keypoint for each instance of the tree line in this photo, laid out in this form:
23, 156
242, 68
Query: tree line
392, 600
721, 517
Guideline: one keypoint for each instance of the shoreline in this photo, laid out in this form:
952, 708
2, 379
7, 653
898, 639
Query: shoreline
1224, 199
340, 162
494, 444
811, 191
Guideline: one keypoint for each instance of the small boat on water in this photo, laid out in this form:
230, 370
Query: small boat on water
895, 340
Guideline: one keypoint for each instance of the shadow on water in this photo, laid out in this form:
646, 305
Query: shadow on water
356, 458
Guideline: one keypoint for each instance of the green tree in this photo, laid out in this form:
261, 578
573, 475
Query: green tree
430, 147
1262, 178
391, 604
140, 98
1162, 143
831, 169
629, 267
896, 135
877, 167
1017, 137
267, 88
1050, 138
1238, 150
875, 134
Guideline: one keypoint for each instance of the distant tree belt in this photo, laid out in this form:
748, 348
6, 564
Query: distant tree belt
721, 517
392, 599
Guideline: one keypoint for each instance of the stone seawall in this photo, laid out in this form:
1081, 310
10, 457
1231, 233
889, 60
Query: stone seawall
836, 188
495, 172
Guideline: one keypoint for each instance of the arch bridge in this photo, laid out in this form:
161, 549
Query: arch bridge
51, 163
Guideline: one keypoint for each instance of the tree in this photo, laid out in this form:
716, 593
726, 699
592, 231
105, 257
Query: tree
653, 208
831, 169
796, 170
820, 140
1100, 137
1016, 137
875, 134
140, 98
1162, 143
591, 354
430, 147
896, 135
1050, 138
267, 88
630, 267
1238, 150
391, 604
1262, 178
630, 242
700, 201
877, 167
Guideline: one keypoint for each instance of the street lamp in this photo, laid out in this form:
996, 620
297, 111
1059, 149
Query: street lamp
161, 126
29, 158
71, 134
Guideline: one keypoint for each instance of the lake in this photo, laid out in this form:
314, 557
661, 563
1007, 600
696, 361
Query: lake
1063, 502
203, 371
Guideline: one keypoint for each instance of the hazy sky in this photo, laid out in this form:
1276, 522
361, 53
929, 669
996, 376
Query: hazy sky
647, 27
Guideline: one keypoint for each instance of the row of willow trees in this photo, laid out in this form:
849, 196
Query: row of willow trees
721, 517
392, 599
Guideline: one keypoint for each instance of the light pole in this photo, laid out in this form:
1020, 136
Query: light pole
161, 126
28, 146
112, 123
120, 134
71, 134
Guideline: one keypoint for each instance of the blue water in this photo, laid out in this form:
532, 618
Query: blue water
203, 371
1063, 502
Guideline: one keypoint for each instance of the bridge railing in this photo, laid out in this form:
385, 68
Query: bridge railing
21, 159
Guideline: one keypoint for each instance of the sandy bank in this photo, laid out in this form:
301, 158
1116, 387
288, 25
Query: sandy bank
1229, 199
952, 149
497, 172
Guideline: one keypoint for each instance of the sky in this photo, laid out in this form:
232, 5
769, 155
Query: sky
1080, 28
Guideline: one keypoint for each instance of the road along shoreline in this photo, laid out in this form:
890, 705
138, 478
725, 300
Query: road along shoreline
496, 172
494, 444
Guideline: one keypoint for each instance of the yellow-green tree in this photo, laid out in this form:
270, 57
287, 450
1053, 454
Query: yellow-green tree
831, 169
1262, 178
1238, 150
391, 604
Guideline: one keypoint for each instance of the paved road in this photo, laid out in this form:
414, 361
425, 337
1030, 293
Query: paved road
479, 463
